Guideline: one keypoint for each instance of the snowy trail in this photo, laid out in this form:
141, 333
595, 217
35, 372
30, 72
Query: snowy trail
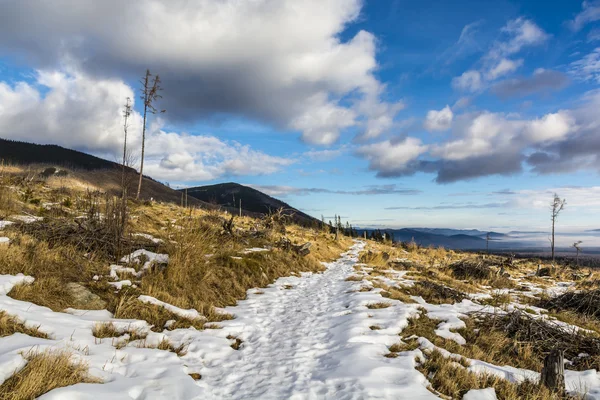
300, 342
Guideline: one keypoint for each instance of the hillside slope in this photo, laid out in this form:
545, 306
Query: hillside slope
229, 194
84, 170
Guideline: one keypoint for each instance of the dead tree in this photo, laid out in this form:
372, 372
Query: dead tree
126, 114
577, 246
487, 242
556, 207
553, 371
150, 93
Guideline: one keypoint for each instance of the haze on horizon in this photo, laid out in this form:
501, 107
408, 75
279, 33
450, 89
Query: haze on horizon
388, 113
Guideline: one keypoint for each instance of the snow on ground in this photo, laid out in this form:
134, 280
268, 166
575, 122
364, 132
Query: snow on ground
27, 219
4, 240
149, 237
189, 314
4, 224
137, 256
306, 337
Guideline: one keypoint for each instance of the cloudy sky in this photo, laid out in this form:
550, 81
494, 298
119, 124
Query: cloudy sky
392, 113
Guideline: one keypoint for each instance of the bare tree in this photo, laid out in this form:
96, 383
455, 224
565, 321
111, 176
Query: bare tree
126, 114
487, 242
556, 207
150, 93
577, 246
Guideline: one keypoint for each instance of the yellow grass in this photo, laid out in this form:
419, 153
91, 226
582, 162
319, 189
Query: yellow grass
44, 371
9, 325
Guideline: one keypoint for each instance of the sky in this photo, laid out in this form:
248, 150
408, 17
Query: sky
390, 113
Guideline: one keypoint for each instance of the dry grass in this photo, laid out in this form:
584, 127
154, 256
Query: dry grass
44, 372
103, 330
237, 342
10, 325
354, 278
452, 379
435, 293
490, 345
379, 305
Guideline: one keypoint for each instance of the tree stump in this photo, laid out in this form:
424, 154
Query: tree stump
553, 372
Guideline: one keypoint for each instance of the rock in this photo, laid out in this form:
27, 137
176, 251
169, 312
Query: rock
84, 298
303, 250
4, 241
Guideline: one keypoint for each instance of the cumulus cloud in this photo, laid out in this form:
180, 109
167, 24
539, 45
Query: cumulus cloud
439, 120
79, 111
272, 61
76, 111
481, 144
542, 81
590, 12
393, 158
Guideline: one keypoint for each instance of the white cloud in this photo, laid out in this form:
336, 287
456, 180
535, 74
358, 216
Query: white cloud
79, 111
590, 12
588, 67
504, 67
279, 62
521, 33
517, 34
439, 120
469, 81
389, 157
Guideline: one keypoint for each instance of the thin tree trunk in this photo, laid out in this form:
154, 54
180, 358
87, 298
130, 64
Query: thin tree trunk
137, 196
552, 244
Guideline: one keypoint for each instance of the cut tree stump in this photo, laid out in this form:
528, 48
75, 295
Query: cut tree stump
553, 372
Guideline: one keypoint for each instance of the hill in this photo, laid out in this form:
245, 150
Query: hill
84, 170
459, 241
254, 202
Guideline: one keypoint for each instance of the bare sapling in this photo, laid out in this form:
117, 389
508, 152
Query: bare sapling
556, 207
150, 94
126, 114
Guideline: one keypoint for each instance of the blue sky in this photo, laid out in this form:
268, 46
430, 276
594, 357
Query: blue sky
463, 114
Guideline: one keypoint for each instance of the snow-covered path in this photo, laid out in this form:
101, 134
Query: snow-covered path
307, 338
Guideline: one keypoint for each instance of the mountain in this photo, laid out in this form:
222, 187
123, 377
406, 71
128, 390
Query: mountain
452, 232
254, 202
86, 169
458, 241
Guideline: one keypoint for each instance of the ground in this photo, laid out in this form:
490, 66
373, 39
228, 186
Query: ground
179, 305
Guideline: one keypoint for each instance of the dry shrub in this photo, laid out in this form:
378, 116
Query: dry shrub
582, 302
452, 379
9, 325
44, 372
436, 293
543, 336
472, 269
482, 343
